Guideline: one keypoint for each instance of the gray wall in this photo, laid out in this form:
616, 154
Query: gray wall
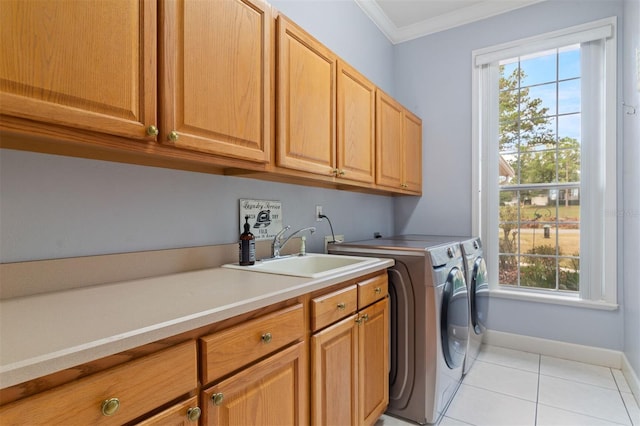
433, 76
54, 207
631, 190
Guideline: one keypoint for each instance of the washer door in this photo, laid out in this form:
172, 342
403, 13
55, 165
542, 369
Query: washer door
479, 297
454, 318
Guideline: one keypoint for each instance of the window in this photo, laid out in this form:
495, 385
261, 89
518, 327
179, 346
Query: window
545, 153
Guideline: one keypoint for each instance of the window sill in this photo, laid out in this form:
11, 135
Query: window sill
567, 300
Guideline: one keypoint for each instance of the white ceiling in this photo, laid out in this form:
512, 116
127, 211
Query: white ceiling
402, 20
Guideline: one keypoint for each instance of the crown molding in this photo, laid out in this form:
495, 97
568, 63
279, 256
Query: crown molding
462, 16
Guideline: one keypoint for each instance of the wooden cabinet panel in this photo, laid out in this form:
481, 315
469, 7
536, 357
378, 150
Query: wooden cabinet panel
356, 125
412, 152
177, 415
398, 146
389, 153
372, 289
230, 349
216, 69
332, 307
272, 392
306, 97
140, 386
81, 64
373, 351
334, 374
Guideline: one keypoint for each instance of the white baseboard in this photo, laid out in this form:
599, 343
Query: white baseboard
571, 351
555, 348
632, 378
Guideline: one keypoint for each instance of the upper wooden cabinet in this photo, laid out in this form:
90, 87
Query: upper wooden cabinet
306, 114
356, 125
326, 110
398, 146
80, 64
412, 136
215, 77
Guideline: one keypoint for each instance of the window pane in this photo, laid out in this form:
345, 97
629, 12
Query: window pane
508, 70
538, 68
538, 133
569, 96
506, 172
569, 62
569, 127
569, 274
508, 270
538, 167
543, 98
568, 165
538, 271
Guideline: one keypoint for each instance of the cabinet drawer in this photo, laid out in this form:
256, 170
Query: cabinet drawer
230, 349
184, 413
371, 290
333, 307
139, 385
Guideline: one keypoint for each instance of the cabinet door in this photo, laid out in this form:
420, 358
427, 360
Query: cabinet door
271, 392
373, 350
356, 125
306, 99
334, 374
215, 77
412, 152
87, 65
389, 154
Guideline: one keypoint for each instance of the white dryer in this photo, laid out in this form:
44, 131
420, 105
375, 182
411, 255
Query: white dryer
478, 286
429, 321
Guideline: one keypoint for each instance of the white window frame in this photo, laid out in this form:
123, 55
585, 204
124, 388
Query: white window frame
598, 215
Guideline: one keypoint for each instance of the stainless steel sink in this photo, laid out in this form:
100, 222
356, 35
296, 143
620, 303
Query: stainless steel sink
312, 265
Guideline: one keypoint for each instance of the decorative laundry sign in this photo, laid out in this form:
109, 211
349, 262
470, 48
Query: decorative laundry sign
265, 217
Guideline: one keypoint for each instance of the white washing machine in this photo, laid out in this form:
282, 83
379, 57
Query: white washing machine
429, 322
478, 286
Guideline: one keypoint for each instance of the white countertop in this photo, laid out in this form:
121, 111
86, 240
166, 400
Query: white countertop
45, 333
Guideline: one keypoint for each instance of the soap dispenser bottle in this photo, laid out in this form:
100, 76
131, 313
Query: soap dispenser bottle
247, 255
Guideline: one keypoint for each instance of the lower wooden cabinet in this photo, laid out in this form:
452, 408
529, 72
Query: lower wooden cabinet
271, 392
334, 374
322, 358
350, 360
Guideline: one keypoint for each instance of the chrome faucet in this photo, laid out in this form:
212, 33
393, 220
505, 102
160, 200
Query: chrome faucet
278, 244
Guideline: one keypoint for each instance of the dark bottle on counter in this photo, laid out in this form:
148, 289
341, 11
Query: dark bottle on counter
247, 245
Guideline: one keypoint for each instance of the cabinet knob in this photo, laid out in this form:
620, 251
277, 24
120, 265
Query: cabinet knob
377, 290
173, 136
152, 130
193, 414
341, 306
217, 398
342, 172
110, 406
334, 172
267, 337
363, 318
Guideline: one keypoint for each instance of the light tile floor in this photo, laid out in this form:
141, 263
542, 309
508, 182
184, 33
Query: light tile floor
513, 388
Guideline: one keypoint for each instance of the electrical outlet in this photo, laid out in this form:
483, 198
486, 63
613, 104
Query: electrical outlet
318, 213
329, 238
